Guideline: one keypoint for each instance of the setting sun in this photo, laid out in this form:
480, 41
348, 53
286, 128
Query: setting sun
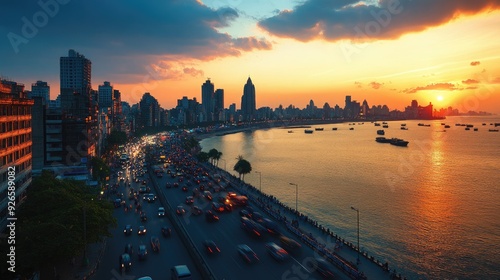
440, 98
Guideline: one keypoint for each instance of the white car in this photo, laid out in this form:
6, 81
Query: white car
161, 211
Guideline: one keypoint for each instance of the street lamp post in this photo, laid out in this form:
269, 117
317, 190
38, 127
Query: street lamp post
296, 196
357, 211
260, 180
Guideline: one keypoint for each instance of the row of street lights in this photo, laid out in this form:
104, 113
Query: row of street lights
297, 201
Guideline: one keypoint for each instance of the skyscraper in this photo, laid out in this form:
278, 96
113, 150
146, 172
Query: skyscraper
105, 98
75, 78
219, 105
248, 106
207, 100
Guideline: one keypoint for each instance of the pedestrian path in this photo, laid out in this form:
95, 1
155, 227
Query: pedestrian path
340, 252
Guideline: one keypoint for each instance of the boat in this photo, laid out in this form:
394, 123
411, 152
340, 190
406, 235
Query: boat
385, 126
376, 124
290, 131
380, 132
334, 128
467, 128
446, 126
403, 124
404, 128
384, 122
469, 125
493, 130
308, 131
352, 128
319, 129
420, 124
398, 142
476, 129
382, 140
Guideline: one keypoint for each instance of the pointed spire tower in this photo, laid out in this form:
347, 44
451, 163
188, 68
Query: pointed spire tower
248, 107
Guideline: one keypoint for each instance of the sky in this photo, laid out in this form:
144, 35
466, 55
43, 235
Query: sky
388, 52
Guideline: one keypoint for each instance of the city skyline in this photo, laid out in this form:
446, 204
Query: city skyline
448, 56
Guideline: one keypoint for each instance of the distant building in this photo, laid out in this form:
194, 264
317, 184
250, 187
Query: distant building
248, 104
15, 143
219, 105
207, 100
149, 111
105, 95
40, 89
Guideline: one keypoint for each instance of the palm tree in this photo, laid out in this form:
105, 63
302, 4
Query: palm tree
217, 157
212, 154
243, 166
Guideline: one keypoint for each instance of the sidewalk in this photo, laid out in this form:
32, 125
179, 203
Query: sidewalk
78, 267
338, 251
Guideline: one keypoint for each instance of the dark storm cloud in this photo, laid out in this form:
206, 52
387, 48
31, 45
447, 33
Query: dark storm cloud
121, 36
355, 20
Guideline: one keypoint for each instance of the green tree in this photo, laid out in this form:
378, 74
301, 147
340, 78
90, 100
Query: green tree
212, 154
202, 157
217, 157
191, 145
115, 139
242, 166
50, 225
100, 170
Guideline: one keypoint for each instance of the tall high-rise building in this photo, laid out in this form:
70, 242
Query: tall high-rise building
105, 94
248, 106
149, 111
207, 100
79, 115
15, 144
40, 89
219, 105
75, 78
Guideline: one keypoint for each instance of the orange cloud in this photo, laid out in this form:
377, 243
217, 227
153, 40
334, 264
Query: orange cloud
437, 86
470, 82
376, 85
475, 63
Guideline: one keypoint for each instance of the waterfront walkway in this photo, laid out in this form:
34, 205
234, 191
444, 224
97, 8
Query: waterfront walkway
340, 252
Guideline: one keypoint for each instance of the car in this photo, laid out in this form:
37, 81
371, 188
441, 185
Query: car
247, 253
218, 207
144, 217
184, 189
166, 232
289, 244
155, 243
257, 216
211, 247
210, 216
276, 251
189, 200
117, 203
325, 269
270, 226
180, 272
161, 211
168, 185
150, 197
125, 262
180, 210
143, 252
252, 227
127, 230
244, 213
142, 189
129, 249
196, 211
207, 195
141, 230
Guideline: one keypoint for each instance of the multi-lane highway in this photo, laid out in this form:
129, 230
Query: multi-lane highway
228, 234
157, 265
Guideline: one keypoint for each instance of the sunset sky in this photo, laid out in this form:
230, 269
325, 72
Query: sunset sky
388, 52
